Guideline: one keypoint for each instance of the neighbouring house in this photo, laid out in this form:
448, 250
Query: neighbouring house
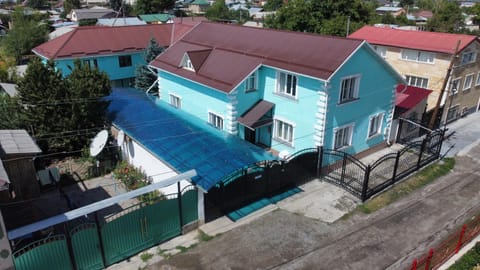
198, 6
157, 18
410, 105
394, 11
116, 50
122, 21
281, 90
77, 15
423, 58
17, 153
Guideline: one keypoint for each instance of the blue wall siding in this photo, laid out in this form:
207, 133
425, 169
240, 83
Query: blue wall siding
108, 64
375, 96
299, 112
196, 99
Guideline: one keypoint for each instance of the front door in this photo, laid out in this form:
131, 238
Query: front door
250, 135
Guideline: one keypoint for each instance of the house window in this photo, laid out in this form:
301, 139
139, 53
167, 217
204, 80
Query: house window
468, 82
477, 82
125, 60
375, 125
349, 89
468, 57
95, 63
215, 120
251, 83
382, 51
343, 137
88, 63
175, 101
418, 56
417, 81
283, 132
452, 113
287, 84
455, 86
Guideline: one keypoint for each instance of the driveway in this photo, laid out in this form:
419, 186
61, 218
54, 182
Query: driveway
387, 239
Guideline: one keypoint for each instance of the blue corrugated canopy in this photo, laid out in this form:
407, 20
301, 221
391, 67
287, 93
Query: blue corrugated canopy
180, 139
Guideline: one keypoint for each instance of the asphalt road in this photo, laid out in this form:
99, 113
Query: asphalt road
387, 239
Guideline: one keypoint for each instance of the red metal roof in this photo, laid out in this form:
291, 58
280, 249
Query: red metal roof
410, 96
236, 51
103, 40
410, 39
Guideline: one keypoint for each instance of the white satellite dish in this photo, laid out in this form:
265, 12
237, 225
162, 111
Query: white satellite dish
98, 143
120, 138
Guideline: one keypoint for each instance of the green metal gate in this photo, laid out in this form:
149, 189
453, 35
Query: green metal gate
189, 205
50, 253
162, 220
86, 247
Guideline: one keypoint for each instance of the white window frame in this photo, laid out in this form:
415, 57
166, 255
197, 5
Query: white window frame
453, 89
417, 56
216, 120
477, 82
287, 135
348, 127
175, 101
468, 57
353, 94
412, 78
466, 83
381, 50
249, 86
285, 90
378, 130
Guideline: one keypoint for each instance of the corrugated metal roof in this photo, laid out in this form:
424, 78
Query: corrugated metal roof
252, 116
160, 17
92, 13
409, 97
237, 50
3, 176
418, 40
17, 141
120, 21
104, 40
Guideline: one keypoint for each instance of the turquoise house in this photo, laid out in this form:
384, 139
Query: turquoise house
114, 50
285, 91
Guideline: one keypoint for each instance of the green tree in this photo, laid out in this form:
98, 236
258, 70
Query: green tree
153, 6
115, 4
53, 106
86, 89
425, 4
218, 11
144, 78
37, 4
273, 5
25, 34
447, 17
68, 5
10, 116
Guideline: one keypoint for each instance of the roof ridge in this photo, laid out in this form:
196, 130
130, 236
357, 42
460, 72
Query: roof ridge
417, 31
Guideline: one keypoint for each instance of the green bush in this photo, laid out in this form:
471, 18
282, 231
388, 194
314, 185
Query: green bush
469, 260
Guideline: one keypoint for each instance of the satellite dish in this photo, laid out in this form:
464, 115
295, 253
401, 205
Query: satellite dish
283, 154
120, 137
98, 143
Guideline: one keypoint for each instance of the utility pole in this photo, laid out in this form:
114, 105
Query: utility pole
444, 86
348, 26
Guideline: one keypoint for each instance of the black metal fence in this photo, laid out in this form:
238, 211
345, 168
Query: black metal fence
270, 177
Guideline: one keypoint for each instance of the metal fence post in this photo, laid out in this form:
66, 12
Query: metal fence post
422, 149
100, 240
414, 265
365, 183
429, 259
459, 244
179, 199
319, 160
344, 164
397, 158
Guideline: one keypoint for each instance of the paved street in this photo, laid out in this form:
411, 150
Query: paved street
387, 239
466, 131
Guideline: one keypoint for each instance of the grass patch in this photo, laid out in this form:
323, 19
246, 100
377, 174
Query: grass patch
204, 237
146, 256
469, 260
421, 179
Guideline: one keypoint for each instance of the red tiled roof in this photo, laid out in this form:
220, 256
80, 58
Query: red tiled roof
409, 97
236, 51
102, 40
419, 40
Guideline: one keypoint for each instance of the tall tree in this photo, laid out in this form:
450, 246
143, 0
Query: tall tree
25, 34
10, 116
68, 5
116, 4
447, 17
218, 11
153, 6
273, 5
53, 106
144, 78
